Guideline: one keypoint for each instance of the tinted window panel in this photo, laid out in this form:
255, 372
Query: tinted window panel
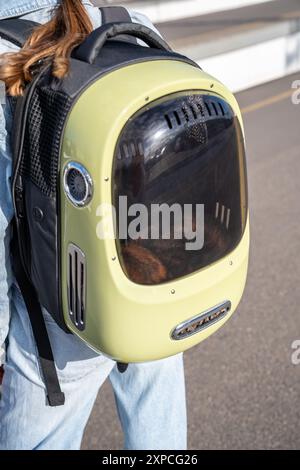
185, 149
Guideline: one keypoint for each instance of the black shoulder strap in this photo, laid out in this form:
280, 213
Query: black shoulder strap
54, 394
116, 14
16, 30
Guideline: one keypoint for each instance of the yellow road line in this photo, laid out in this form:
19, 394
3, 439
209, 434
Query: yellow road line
267, 101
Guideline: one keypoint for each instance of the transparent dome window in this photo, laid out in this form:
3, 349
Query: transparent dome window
179, 187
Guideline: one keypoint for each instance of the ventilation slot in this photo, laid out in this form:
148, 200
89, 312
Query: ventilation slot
177, 118
201, 322
215, 109
192, 110
169, 122
77, 286
221, 108
208, 109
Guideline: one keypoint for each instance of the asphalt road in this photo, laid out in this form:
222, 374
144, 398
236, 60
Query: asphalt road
243, 390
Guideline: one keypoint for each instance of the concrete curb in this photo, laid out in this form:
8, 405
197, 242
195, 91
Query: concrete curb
251, 57
168, 10
256, 64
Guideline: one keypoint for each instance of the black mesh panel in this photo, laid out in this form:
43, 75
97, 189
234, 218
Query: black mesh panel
45, 123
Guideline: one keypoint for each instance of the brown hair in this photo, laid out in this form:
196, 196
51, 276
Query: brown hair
52, 42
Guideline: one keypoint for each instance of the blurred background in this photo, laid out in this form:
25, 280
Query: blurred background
243, 384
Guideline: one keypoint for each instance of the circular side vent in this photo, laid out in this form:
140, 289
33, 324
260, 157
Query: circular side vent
78, 184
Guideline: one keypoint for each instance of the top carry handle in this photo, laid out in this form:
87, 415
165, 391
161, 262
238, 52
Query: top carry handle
90, 48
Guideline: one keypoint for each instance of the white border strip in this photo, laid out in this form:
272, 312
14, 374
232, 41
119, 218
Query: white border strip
254, 65
161, 10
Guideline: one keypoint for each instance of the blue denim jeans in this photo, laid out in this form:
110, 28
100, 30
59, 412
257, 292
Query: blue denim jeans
150, 397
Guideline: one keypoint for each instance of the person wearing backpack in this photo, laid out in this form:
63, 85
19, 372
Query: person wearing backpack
150, 397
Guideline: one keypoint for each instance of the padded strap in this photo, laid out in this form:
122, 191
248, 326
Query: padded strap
46, 360
117, 14
54, 394
16, 30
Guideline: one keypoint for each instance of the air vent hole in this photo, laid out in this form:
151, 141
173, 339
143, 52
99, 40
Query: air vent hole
208, 109
215, 109
76, 184
169, 122
222, 109
177, 118
76, 286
